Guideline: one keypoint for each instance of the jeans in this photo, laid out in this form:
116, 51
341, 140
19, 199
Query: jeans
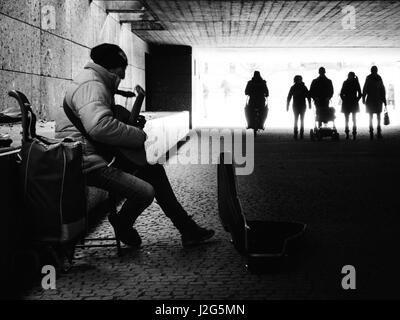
297, 115
139, 189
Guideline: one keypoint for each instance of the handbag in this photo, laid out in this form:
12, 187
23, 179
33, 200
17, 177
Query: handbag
386, 119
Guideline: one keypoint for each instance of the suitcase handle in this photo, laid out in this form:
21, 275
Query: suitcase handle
28, 117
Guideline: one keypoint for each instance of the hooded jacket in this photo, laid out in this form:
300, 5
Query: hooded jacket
91, 98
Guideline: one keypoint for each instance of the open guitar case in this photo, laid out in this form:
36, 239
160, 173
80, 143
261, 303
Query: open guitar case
266, 245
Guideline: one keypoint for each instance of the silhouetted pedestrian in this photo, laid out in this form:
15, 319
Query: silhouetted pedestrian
390, 99
351, 95
321, 91
374, 95
206, 92
257, 91
300, 93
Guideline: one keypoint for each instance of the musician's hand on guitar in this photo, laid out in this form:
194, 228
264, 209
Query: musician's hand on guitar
140, 122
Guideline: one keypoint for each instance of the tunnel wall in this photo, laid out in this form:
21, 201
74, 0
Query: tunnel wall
169, 79
45, 43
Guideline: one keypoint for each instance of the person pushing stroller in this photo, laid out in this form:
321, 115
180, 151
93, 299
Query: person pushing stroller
321, 91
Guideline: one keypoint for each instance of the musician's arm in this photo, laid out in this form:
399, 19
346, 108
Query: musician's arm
121, 113
99, 121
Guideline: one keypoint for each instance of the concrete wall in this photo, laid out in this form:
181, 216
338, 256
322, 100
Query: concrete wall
45, 43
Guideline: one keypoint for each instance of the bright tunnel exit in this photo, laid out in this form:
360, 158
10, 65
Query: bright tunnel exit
220, 77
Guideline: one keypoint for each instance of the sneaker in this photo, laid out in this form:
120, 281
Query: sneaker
127, 235
196, 236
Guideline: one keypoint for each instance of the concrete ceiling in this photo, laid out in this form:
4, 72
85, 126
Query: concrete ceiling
247, 23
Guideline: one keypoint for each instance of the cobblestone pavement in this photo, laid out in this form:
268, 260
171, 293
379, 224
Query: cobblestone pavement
338, 188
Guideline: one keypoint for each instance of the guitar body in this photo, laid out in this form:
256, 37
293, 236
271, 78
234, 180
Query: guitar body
126, 157
131, 158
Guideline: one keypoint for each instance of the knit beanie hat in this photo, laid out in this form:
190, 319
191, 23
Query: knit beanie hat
109, 56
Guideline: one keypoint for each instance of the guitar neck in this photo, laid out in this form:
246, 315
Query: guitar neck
137, 105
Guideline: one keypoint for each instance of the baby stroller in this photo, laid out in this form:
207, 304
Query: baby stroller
321, 129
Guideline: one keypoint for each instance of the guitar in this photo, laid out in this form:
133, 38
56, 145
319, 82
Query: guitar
128, 156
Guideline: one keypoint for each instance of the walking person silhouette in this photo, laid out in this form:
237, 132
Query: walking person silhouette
351, 95
373, 96
300, 94
257, 91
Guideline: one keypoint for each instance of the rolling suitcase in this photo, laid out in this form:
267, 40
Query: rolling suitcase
53, 185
